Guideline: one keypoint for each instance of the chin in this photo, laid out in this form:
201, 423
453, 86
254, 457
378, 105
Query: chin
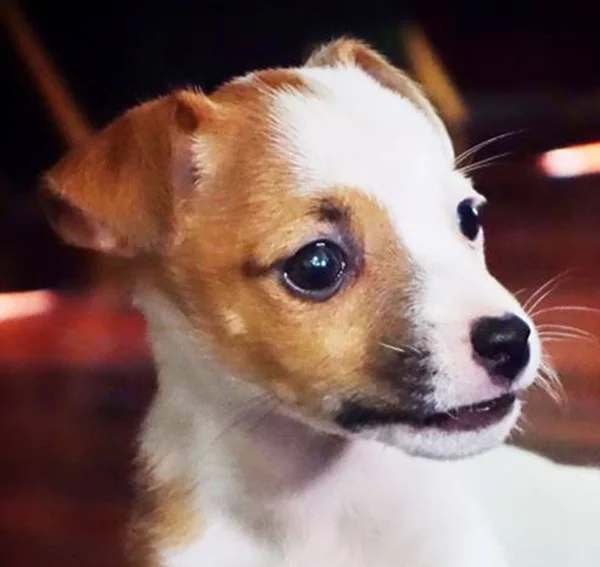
448, 443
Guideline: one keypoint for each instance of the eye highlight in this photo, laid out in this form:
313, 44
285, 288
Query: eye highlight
468, 219
316, 271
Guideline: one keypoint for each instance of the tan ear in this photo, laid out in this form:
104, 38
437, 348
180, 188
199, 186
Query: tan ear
116, 192
352, 52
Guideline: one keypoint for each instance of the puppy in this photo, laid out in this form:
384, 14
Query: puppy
331, 350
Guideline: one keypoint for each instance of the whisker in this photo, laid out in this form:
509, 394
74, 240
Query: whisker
542, 288
400, 349
241, 417
479, 146
547, 366
549, 389
519, 291
567, 308
575, 331
523, 422
562, 327
550, 374
483, 163
566, 336
548, 331
392, 347
560, 340
550, 382
546, 293
518, 427
558, 335
561, 334
451, 415
527, 305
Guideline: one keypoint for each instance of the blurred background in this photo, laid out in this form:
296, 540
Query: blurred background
75, 373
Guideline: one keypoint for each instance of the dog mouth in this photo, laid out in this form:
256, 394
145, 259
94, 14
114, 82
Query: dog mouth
469, 418
356, 416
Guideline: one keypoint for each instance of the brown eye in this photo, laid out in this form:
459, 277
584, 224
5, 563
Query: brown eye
316, 271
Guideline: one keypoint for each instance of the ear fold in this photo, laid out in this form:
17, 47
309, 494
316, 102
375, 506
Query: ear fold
116, 192
351, 52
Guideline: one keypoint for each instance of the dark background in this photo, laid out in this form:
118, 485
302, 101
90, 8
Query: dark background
518, 65
114, 54
76, 378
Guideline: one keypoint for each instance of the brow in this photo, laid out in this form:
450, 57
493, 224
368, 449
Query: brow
326, 210
330, 211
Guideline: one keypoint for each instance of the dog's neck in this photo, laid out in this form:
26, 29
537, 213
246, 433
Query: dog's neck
275, 482
218, 433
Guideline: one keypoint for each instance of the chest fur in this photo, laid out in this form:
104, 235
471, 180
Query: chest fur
376, 507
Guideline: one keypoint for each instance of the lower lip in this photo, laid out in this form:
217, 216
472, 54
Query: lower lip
469, 418
464, 418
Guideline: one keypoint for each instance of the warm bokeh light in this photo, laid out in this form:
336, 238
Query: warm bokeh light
25, 304
573, 161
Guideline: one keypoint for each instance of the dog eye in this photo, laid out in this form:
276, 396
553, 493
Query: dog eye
316, 270
468, 218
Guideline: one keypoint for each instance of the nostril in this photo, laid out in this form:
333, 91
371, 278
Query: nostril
501, 345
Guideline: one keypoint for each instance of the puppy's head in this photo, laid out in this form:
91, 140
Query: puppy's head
310, 225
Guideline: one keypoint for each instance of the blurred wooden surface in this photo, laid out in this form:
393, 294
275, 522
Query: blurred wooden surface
73, 386
74, 383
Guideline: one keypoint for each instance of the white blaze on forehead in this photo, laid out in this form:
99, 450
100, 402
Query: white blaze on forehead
347, 130
350, 129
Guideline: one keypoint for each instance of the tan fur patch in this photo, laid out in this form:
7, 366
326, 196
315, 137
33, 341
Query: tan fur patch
248, 214
164, 517
120, 185
214, 250
256, 324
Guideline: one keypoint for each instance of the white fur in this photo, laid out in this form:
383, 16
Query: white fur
544, 514
275, 492
300, 504
349, 131
271, 494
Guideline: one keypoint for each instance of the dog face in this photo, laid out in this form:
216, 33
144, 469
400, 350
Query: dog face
310, 225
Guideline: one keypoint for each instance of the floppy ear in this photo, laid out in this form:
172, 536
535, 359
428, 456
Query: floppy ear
116, 192
351, 52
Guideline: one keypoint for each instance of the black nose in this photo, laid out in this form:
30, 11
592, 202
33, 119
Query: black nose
501, 345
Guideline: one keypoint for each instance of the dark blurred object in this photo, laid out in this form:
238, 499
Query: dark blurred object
34, 257
70, 123
75, 378
31, 256
64, 266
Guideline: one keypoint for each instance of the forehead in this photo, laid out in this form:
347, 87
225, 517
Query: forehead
315, 130
346, 129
